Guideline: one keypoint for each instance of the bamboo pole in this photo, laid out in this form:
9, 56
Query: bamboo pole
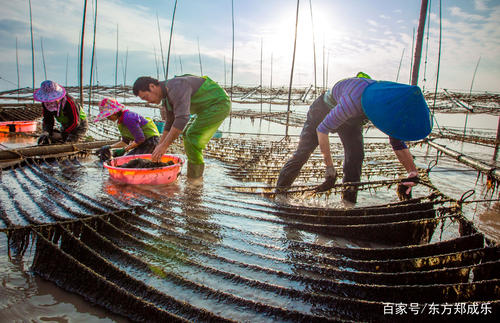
495, 154
400, 61
261, 49
116, 61
125, 74
170, 39
427, 45
92, 57
271, 84
439, 56
161, 46
232, 52
32, 51
156, 64
17, 66
476, 164
323, 68
124, 68
327, 66
43, 58
67, 62
470, 94
418, 45
40, 151
78, 58
199, 56
411, 57
314, 48
81, 52
291, 73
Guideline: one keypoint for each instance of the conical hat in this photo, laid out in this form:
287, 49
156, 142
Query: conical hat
399, 110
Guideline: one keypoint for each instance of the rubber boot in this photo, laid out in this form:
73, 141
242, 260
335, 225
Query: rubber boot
349, 196
195, 170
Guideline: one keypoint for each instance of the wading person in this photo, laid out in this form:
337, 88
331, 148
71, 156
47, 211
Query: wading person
58, 105
182, 96
398, 110
139, 135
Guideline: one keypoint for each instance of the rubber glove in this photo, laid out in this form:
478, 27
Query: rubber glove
104, 153
118, 152
70, 138
330, 179
44, 139
404, 188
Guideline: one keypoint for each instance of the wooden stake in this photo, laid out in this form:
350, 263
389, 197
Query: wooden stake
32, 51
92, 58
418, 45
81, 52
291, 73
170, 39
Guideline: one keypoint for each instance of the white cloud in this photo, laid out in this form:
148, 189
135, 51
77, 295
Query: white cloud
458, 12
480, 4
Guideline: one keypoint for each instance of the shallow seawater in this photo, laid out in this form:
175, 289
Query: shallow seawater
201, 210
29, 298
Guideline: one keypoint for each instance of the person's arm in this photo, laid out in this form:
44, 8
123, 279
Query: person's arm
330, 172
72, 112
406, 159
48, 121
119, 144
167, 138
403, 153
133, 123
324, 146
405, 187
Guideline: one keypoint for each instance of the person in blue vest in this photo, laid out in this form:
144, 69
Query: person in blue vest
58, 105
398, 110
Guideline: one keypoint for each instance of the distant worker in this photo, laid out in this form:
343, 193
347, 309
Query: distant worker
58, 105
398, 110
182, 96
139, 135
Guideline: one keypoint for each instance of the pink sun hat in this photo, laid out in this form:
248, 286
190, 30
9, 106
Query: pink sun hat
49, 91
108, 107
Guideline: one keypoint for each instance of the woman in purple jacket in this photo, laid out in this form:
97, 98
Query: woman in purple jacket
139, 135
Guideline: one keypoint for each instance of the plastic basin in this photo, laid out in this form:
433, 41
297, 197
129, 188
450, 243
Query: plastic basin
151, 176
18, 126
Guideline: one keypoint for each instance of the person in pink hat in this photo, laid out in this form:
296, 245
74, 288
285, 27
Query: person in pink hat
58, 105
139, 135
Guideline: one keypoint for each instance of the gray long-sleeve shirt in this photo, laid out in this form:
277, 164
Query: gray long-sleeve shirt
178, 91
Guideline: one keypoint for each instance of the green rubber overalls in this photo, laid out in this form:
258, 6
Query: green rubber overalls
210, 105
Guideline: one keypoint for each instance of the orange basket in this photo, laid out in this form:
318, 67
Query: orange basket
18, 126
151, 176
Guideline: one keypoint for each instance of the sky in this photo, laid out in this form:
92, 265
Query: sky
345, 37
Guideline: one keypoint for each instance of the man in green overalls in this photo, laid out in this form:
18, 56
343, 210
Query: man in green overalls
184, 96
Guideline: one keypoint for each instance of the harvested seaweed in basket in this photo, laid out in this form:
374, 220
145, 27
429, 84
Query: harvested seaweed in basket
145, 163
